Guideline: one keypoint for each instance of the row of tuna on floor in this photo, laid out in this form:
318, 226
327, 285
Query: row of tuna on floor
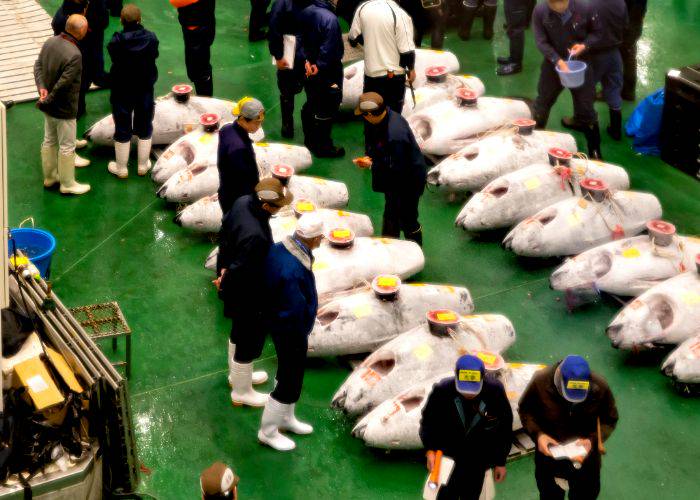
558, 203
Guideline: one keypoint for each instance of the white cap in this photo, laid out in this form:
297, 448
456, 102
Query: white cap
309, 225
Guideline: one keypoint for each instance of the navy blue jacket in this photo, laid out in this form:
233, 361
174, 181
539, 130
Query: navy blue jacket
133, 52
238, 169
244, 240
613, 20
291, 302
554, 38
397, 161
284, 20
322, 41
488, 443
97, 16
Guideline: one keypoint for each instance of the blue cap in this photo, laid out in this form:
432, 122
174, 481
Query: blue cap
575, 378
469, 374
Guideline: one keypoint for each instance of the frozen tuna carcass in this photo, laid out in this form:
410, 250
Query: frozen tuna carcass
176, 114
433, 92
200, 148
395, 424
448, 126
574, 225
363, 321
204, 216
354, 74
683, 365
417, 356
482, 161
626, 267
195, 183
668, 313
513, 197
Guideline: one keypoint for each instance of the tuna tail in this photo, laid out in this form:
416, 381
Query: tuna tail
508, 241
434, 176
161, 191
177, 219
339, 401
359, 430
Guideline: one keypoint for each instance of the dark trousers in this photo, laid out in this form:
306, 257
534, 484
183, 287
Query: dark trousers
291, 350
400, 214
628, 50
607, 69
549, 88
198, 44
290, 82
584, 483
393, 89
318, 112
93, 60
517, 13
133, 114
465, 483
249, 336
258, 16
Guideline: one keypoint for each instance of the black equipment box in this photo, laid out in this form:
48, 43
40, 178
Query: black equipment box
680, 126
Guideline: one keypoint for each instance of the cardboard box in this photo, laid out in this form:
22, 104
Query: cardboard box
41, 389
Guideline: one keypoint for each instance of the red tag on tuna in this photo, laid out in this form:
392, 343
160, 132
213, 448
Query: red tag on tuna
618, 233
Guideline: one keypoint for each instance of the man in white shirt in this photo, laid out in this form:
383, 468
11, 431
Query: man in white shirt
385, 31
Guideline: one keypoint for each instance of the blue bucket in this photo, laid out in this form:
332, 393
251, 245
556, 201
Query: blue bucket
37, 244
576, 75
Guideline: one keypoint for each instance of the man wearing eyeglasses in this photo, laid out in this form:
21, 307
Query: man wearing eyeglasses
398, 166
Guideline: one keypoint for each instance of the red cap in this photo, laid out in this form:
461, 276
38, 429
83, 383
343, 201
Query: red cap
560, 154
594, 184
282, 171
467, 96
525, 125
433, 71
182, 88
661, 226
207, 119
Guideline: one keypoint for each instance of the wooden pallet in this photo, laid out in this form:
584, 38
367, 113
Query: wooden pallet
24, 27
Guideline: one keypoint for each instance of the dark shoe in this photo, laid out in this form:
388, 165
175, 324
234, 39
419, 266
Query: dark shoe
257, 36
465, 27
541, 120
615, 128
509, 69
573, 124
489, 18
416, 236
592, 134
503, 60
330, 152
629, 96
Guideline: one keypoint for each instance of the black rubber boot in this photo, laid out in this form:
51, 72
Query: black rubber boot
615, 127
503, 60
465, 26
416, 236
489, 17
541, 120
204, 87
592, 134
287, 110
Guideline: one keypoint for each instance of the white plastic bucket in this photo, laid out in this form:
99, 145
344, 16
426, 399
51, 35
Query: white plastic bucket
576, 75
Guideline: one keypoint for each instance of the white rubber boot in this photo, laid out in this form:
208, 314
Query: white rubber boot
80, 143
291, 423
144, 152
272, 419
66, 175
259, 377
49, 164
80, 162
242, 392
121, 155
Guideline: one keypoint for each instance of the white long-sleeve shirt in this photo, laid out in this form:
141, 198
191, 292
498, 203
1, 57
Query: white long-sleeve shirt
387, 32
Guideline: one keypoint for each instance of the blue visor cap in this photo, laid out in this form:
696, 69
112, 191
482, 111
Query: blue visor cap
469, 374
576, 378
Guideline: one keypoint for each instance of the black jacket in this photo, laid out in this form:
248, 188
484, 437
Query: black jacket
244, 241
238, 170
322, 41
554, 38
613, 20
58, 69
284, 20
397, 162
198, 14
543, 410
442, 428
133, 52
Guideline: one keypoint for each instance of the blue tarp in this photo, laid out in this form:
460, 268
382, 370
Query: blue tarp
644, 125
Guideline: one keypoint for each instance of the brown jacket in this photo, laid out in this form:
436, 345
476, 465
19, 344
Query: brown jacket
58, 69
543, 410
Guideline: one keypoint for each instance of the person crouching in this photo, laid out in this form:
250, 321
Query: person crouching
291, 312
134, 51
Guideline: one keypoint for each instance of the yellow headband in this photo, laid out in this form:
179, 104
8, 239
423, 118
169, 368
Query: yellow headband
239, 105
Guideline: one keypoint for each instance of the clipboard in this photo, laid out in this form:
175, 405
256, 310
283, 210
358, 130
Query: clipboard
444, 466
289, 47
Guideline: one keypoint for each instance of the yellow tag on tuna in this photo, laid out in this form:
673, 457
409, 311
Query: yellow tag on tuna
691, 298
342, 213
631, 253
206, 138
362, 311
386, 281
423, 351
469, 376
262, 144
305, 206
320, 265
578, 384
532, 183
446, 316
487, 358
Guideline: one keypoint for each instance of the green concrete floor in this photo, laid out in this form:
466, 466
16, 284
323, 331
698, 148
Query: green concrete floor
119, 243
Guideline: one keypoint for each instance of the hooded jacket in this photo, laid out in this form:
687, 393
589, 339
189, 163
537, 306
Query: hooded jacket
322, 41
284, 20
133, 52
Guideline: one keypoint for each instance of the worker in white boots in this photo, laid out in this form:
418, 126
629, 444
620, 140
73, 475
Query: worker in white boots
57, 76
133, 51
291, 308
